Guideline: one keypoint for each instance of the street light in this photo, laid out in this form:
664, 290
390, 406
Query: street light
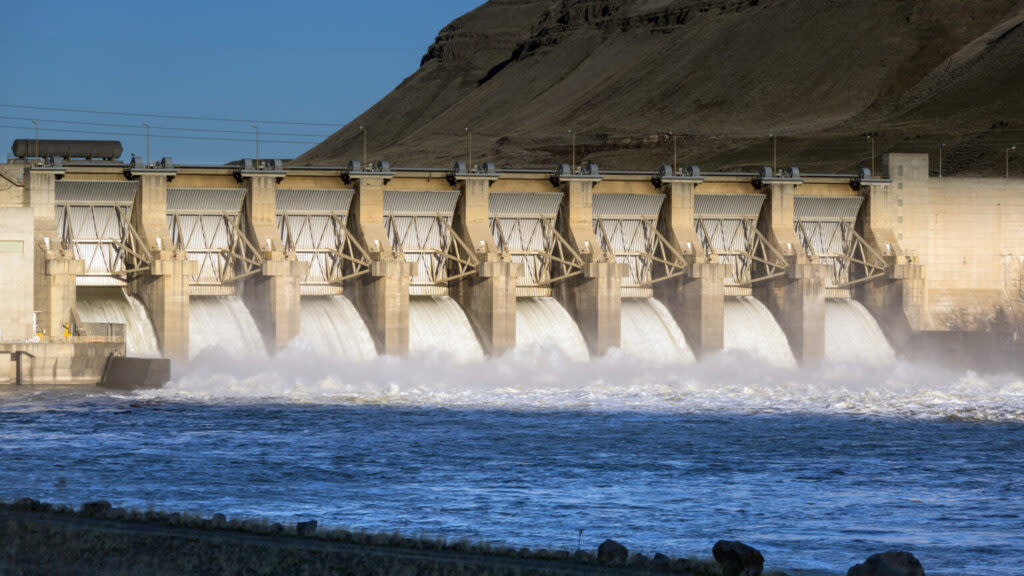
572, 165
771, 150
1008, 150
36, 124
362, 129
872, 154
469, 149
941, 147
675, 153
257, 145
147, 143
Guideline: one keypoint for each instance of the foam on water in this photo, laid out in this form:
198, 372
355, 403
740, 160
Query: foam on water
853, 335
538, 378
543, 324
751, 328
223, 323
332, 327
109, 305
650, 332
438, 324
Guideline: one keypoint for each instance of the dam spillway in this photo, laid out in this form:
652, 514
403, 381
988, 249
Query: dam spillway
438, 324
751, 328
331, 325
472, 261
649, 332
223, 323
111, 305
853, 335
543, 322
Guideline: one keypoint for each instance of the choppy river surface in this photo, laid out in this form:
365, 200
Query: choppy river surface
817, 469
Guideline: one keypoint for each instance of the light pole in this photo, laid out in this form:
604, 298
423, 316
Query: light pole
1008, 150
362, 129
469, 149
872, 140
675, 153
771, 150
941, 147
572, 166
257, 146
147, 143
36, 124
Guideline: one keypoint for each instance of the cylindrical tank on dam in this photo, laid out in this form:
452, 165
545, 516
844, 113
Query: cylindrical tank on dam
334, 329
650, 332
88, 149
543, 322
438, 324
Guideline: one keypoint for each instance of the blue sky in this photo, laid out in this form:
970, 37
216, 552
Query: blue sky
317, 62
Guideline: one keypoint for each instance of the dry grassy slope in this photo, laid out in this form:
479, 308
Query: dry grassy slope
721, 72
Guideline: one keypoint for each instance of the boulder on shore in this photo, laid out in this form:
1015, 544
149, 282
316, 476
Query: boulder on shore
611, 552
891, 563
738, 559
307, 528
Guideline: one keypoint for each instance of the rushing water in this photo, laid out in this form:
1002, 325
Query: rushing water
331, 326
650, 332
818, 469
438, 324
751, 328
544, 323
223, 324
109, 305
853, 335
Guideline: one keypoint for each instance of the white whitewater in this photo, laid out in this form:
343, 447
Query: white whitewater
109, 305
333, 328
750, 327
438, 324
650, 332
542, 322
853, 335
223, 322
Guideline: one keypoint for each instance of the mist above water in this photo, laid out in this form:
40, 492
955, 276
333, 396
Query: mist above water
544, 378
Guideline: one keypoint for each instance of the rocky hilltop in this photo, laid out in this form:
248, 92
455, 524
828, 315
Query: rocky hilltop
720, 74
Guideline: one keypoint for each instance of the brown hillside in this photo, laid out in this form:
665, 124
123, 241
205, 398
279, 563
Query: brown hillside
721, 74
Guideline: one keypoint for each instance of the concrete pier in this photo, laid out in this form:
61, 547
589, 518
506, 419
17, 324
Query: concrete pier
697, 298
896, 300
797, 299
56, 269
593, 298
382, 295
273, 294
488, 295
164, 288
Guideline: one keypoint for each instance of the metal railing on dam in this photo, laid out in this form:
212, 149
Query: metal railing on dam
271, 236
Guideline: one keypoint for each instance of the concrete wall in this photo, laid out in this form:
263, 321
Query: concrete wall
17, 263
968, 234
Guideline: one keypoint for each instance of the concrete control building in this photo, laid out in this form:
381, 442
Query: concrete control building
925, 256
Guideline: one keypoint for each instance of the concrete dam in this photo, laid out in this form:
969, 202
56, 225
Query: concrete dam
104, 259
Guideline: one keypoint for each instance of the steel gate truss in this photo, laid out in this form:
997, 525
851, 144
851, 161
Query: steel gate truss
103, 237
638, 243
218, 243
440, 254
738, 242
836, 243
535, 242
323, 240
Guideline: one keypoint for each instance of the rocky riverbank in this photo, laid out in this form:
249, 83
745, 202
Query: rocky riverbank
41, 539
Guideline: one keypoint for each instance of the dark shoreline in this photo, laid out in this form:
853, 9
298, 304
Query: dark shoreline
41, 539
